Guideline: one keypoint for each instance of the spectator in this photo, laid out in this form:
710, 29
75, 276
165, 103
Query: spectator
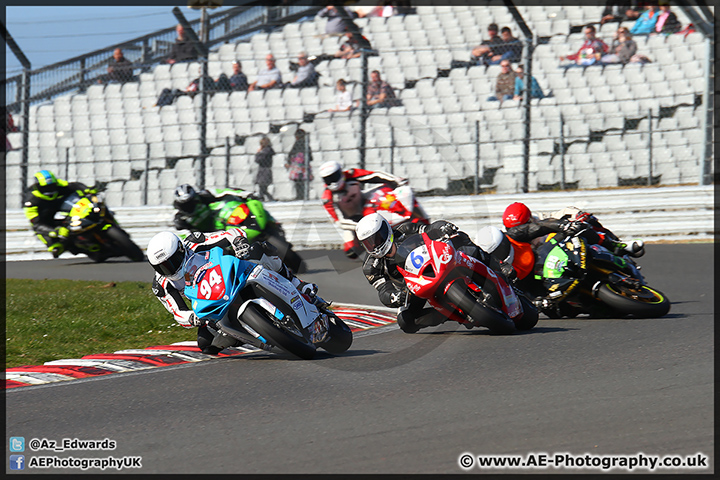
183, 49
269, 77
509, 49
119, 70
168, 96
263, 158
623, 48
667, 22
344, 98
483, 53
505, 84
336, 23
9, 127
352, 46
535, 90
238, 80
590, 51
645, 24
382, 9
379, 93
296, 164
619, 11
306, 76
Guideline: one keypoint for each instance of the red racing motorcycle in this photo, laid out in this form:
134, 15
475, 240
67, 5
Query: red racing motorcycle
461, 287
397, 205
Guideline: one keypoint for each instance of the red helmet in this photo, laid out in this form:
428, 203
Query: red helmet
516, 214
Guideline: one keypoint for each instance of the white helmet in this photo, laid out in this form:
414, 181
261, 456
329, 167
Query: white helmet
166, 254
332, 174
375, 234
493, 241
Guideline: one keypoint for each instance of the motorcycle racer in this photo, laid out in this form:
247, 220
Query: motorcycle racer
522, 226
168, 254
193, 207
43, 199
337, 183
380, 267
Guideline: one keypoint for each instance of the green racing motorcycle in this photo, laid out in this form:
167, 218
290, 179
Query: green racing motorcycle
232, 210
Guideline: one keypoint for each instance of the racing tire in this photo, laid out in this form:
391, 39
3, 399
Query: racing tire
298, 346
340, 336
645, 302
124, 245
459, 295
289, 257
530, 314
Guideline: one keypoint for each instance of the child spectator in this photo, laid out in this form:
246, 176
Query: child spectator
344, 98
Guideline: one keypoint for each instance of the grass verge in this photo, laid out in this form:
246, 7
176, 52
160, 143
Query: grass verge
57, 319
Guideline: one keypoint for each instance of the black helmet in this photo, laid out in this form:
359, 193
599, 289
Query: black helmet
185, 198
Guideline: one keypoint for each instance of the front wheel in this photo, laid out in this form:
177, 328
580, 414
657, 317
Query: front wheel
530, 314
459, 295
642, 301
340, 336
123, 244
290, 342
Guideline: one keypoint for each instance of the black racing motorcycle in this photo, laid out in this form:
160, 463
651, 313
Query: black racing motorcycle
583, 278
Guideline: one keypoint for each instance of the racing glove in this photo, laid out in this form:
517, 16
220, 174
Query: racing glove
241, 247
508, 271
308, 289
188, 319
573, 228
449, 229
61, 233
399, 298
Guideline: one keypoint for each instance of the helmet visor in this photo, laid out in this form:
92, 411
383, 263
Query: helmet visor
333, 177
379, 242
172, 265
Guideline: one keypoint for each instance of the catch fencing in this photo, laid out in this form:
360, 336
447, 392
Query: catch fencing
654, 214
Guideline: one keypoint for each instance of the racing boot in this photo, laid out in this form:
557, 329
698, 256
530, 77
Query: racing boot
635, 248
56, 249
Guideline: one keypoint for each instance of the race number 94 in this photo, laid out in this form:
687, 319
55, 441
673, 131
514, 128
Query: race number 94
211, 283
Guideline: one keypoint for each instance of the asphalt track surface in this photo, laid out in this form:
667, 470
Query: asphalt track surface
399, 403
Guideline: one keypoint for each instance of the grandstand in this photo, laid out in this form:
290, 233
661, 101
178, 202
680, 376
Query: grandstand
115, 134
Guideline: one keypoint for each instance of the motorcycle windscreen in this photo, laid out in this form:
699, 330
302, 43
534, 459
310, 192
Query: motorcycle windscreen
215, 280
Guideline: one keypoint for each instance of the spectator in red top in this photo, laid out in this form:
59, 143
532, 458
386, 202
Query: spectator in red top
340, 196
590, 52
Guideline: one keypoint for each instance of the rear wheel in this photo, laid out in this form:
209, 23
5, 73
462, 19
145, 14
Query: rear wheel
642, 301
340, 336
123, 244
275, 335
459, 295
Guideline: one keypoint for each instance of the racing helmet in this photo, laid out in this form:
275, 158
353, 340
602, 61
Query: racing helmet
375, 234
516, 214
48, 184
185, 198
166, 254
495, 242
332, 174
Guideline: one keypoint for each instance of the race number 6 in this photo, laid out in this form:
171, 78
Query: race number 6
417, 260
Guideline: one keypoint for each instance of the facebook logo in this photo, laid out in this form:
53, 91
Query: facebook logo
17, 444
17, 462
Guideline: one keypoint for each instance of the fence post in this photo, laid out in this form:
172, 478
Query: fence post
307, 166
562, 152
392, 150
476, 181
650, 157
227, 162
67, 162
147, 173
